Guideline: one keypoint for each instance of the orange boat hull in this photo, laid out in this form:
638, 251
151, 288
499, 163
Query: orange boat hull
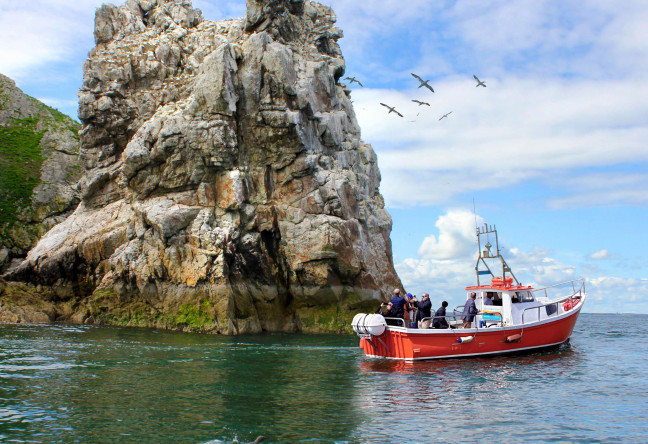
415, 344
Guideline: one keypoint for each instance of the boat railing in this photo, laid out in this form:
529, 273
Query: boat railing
576, 291
457, 313
556, 306
400, 322
397, 322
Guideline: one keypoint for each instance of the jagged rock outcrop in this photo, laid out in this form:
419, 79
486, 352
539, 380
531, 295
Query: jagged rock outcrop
39, 170
226, 187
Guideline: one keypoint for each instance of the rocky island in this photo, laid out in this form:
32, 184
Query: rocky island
225, 184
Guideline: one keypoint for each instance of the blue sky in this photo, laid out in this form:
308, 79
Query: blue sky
554, 151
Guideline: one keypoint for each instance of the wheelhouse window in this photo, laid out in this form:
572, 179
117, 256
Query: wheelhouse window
522, 296
496, 297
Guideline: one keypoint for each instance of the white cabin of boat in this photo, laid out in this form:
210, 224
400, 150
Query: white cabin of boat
513, 304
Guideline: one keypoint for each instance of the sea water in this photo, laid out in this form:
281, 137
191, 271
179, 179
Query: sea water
102, 384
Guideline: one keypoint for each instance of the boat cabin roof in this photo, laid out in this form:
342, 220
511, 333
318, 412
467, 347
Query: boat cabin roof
499, 287
500, 284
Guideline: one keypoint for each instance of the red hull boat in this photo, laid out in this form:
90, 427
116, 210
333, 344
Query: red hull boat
521, 319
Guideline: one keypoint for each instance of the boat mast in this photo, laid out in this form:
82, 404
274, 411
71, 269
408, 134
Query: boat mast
487, 254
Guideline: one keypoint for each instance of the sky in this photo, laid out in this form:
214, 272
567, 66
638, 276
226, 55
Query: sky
553, 151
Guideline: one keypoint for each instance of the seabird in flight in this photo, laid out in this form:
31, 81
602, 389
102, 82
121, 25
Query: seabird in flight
445, 115
479, 82
423, 82
353, 79
391, 109
420, 103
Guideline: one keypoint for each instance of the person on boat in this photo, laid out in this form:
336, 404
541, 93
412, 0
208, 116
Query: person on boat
424, 307
469, 311
410, 310
488, 300
386, 309
440, 320
398, 303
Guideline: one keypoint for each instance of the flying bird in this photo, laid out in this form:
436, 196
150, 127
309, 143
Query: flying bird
414, 121
479, 82
445, 115
391, 109
420, 103
423, 82
353, 79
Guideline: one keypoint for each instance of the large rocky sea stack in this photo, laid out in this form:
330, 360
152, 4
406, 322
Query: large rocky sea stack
225, 187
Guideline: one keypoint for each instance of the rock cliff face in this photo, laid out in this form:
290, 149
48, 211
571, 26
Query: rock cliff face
226, 187
39, 170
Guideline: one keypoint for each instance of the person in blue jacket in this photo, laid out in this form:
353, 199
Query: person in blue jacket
398, 304
469, 311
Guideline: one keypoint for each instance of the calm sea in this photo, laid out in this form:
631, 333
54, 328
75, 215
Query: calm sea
101, 384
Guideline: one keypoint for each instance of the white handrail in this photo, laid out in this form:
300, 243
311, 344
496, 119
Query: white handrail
580, 290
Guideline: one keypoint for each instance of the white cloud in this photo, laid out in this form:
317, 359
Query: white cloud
602, 189
536, 268
36, 33
589, 39
609, 294
456, 236
601, 254
516, 131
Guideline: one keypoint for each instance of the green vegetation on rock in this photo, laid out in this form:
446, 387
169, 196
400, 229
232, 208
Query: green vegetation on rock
20, 163
195, 317
332, 319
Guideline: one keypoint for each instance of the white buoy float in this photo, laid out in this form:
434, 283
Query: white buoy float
465, 339
369, 324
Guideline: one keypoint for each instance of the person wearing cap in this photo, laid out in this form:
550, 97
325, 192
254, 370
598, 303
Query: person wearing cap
469, 311
398, 304
424, 307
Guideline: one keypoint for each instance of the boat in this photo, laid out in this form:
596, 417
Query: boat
521, 319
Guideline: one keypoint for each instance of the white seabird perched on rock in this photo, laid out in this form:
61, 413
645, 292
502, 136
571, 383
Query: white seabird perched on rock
423, 82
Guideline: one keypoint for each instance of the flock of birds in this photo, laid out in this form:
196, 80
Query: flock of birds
423, 83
